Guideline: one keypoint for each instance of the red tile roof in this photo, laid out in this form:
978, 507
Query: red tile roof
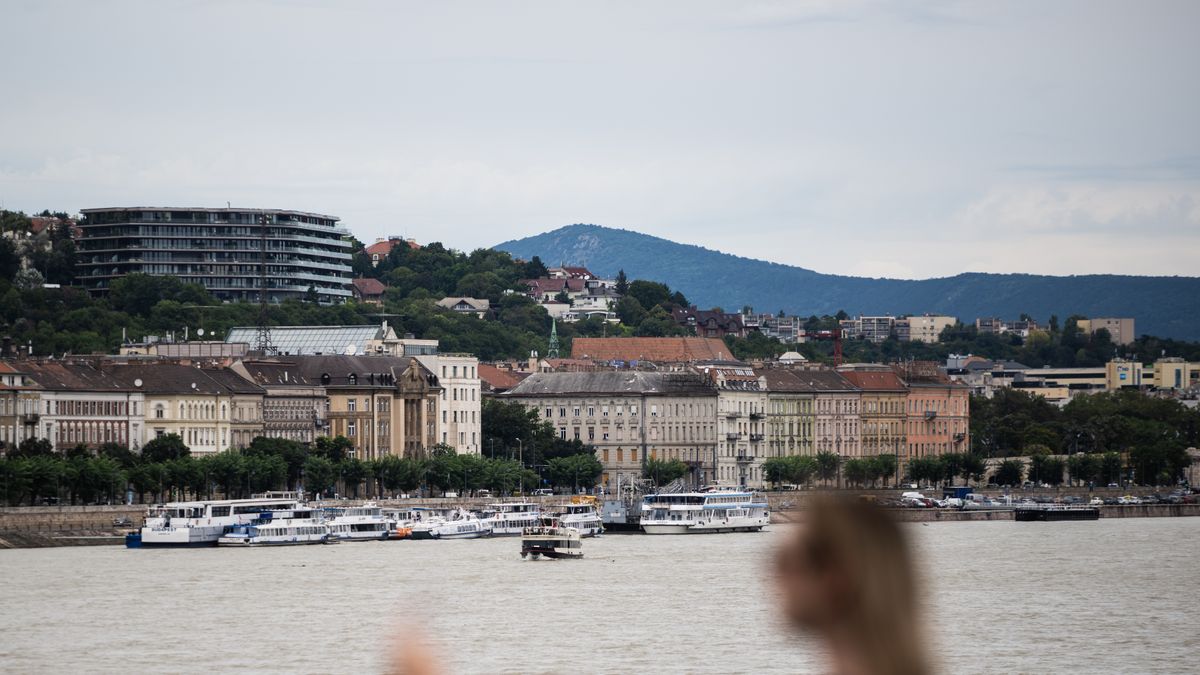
661, 350
367, 287
385, 247
874, 380
498, 379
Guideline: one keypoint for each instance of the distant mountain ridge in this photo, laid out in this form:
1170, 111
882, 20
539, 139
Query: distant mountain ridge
1162, 306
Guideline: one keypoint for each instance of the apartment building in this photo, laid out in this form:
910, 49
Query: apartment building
938, 412
458, 422
883, 404
742, 444
1121, 330
293, 406
19, 398
872, 328
212, 410
629, 416
924, 328
80, 403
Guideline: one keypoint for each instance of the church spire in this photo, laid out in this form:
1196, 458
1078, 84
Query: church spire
552, 353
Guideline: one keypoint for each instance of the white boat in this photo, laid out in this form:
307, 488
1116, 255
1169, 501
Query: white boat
463, 525
425, 520
291, 527
360, 523
510, 518
727, 510
552, 539
201, 523
582, 516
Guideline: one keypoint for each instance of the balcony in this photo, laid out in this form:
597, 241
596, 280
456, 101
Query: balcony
756, 438
745, 459
758, 415
930, 414
732, 414
732, 436
30, 418
959, 437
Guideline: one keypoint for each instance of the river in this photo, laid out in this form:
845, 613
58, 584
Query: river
1117, 595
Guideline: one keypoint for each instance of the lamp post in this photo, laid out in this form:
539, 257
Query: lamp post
521, 459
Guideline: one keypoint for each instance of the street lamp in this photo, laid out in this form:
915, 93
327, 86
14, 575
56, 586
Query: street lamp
521, 479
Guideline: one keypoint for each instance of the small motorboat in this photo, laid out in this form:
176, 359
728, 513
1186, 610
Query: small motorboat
551, 539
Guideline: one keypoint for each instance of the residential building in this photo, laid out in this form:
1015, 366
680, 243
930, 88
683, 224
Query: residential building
629, 416
458, 417
293, 406
872, 328
369, 291
230, 251
938, 414
568, 272
1121, 331
385, 405
882, 408
659, 351
997, 326
463, 305
383, 247
710, 324
742, 444
548, 290
791, 411
19, 398
81, 403
494, 380
837, 406
927, 327
786, 329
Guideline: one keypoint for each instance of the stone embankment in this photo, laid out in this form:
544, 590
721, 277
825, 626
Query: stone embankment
39, 526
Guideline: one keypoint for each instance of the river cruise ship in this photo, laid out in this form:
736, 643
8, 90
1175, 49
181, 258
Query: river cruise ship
290, 527
725, 510
509, 518
582, 515
360, 523
201, 523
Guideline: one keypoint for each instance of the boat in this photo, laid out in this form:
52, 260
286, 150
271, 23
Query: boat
360, 523
712, 511
582, 515
291, 527
1055, 512
511, 518
425, 520
462, 525
201, 523
401, 522
552, 539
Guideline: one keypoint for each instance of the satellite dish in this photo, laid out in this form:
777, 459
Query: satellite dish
200, 332
193, 385
137, 382
351, 349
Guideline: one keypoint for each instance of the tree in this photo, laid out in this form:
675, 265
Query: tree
333, 449
663, 471
1009, 473
973, 467
1083, 467
34, 447
28, 279
884, 466
923, 470
649, 293
354, 473
165, 448
581, 470
1110, 467
535, 269
622, 285
319, 475
856, 471
827, 465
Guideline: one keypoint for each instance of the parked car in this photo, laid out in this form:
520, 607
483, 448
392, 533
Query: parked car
1096, 501
1072, 499
543, 492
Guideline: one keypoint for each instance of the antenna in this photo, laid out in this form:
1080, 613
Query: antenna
262, 338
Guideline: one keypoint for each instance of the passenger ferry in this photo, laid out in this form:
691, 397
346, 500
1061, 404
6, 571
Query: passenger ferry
464, 525
510, 518
201, 523
581, 514
360, 523
719, 510
290, 527
551, 538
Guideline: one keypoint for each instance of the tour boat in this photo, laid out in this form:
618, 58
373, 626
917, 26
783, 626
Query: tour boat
726, 510
425, 520
401, 522
463, 525
360, 523
581, 514
510, 518
290, 527
552, 539
201, 523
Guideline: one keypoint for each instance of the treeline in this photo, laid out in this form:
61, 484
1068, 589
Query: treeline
1057, 346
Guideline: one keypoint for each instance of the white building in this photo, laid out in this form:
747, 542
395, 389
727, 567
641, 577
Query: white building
458, 417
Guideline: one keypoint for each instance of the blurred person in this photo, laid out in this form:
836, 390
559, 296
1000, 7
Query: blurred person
848, 577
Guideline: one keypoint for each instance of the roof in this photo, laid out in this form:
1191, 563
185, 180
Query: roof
71, 376
233, 209
662, 350
384, 246
295, 340
335, 370
806, 381
546, 285
367, 286
614, 382
499, 379
874, 380
154, 377
473, 304
276, 373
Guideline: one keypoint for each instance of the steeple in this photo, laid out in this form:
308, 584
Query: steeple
552, 352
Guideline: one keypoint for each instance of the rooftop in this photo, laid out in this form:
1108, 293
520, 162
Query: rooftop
311, 340
661, 350
613, 382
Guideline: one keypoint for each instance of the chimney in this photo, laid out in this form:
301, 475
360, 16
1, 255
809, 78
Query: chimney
6, 350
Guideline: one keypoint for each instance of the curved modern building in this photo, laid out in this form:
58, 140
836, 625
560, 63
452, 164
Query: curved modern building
220, 249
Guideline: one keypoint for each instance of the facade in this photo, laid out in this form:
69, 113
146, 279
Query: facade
837, 404
293, 407
19, 398
710, 324
369, 291
872, 328
458, 417
629, 417
884, 400
791, 412
1121, 330
938, 418
82, 404
212, 410
928, 328
223, 250
742, 444
1176, 374
997, 326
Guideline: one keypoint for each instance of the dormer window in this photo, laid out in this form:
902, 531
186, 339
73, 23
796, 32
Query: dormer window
352, 378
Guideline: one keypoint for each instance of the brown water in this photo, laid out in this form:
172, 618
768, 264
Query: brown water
1112, 596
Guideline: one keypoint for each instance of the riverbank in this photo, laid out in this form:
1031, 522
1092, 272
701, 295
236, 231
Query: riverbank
953, 515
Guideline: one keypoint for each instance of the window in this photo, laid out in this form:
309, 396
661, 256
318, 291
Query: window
549, 413
159, 412
591, 433
591, 411
351, 428
351, 404
562, 433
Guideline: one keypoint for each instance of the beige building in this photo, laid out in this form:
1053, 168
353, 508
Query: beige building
882, 413
928, 328
1175, 373
82, 403
212, 410
293, 406
629, 416
458, 422
1122, 330
837, 406
742, 444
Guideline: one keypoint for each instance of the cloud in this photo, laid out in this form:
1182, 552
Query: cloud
1084, 210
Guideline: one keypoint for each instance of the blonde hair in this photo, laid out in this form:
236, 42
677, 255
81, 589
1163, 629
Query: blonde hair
880, 600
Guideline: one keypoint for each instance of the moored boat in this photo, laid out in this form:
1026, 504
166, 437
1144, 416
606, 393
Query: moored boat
290, 527
360, 523
725, 510
1055, 512
582, 515
201, 523
511, 518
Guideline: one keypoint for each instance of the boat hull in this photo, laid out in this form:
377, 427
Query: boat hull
1048, 515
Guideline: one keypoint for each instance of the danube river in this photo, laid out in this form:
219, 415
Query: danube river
1112, 596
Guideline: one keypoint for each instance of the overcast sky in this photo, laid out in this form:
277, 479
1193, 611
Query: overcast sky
872, 138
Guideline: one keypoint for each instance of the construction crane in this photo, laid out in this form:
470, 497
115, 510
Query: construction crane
835, 336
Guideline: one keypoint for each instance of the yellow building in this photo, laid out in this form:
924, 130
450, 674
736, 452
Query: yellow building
884, 399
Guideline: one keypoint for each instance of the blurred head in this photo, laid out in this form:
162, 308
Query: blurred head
848, 577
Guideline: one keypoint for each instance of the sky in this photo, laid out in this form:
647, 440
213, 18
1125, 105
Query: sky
900, 139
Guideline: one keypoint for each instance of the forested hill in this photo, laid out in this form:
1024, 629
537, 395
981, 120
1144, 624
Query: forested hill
1162, 306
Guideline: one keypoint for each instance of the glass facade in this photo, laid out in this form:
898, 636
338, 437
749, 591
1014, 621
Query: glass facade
223, 250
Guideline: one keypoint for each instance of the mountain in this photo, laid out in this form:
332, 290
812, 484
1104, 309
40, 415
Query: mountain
1162, 306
